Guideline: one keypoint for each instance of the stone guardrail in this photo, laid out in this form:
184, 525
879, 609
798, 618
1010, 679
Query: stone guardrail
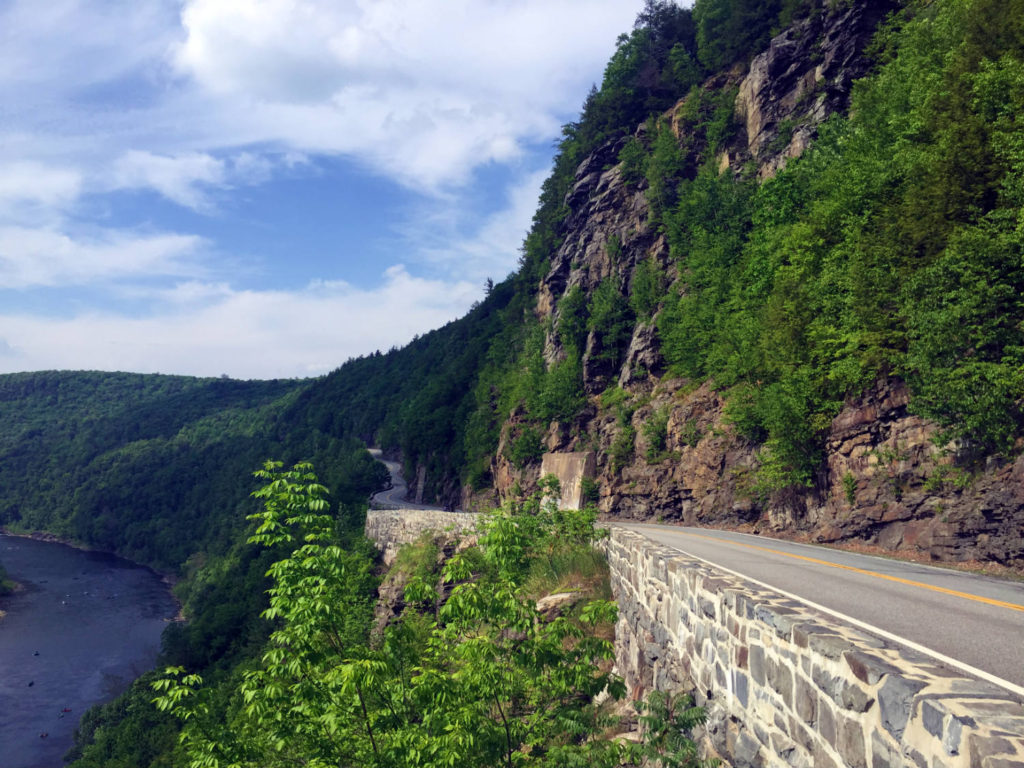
391, 528
787, 686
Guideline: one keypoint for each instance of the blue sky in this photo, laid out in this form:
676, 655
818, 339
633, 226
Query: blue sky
265, 188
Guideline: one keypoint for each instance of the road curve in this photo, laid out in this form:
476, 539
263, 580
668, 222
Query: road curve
395, 496
974, 623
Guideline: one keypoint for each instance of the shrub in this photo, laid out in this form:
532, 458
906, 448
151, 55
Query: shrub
622, 447
655, 431
526, 448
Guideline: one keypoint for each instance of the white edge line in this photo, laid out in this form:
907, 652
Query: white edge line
1011, 687
854, 556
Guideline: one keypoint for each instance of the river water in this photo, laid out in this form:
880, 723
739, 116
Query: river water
85, 625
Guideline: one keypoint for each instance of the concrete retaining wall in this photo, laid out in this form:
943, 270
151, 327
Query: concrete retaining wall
570, 469
391, 528
787, 686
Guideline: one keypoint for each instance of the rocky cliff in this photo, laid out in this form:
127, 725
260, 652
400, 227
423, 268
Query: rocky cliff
666, 449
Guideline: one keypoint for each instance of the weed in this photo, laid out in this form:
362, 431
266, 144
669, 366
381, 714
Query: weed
850, 488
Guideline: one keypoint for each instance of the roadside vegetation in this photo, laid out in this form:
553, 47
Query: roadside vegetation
483, 681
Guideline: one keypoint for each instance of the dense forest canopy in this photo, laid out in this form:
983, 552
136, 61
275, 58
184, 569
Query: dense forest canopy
153, 467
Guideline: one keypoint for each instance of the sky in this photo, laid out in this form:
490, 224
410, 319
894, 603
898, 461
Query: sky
266, 188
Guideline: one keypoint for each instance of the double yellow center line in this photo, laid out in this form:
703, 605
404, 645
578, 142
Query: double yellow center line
887, 577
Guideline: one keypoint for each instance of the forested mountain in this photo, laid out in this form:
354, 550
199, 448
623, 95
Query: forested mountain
766, 218
775, 279
153, 467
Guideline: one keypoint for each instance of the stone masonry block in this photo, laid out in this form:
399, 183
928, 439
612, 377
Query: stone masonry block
953, 733
822, 759
802, 735
982, 751
883, 752
851, 744
805, 701
762, 734
855, 698
781, 681
781, 744
830, 684
829, 646
746, 749
780, 619
741, 686
914, 759
895, 699
707, 607
827, 723
1004, 762
757, 670
932, 716
802, 633
868, 668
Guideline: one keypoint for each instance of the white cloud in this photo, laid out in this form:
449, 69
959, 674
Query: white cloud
246, 334
43, 257
38, 184
166, 92
424, 92
196, 99
492, 245
177, 178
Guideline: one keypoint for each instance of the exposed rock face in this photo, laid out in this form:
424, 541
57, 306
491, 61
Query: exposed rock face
608, 231
887, 482
643, 357
803, 77
701, 467
882, 481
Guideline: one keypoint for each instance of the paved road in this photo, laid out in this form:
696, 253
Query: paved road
395, 495
976, 622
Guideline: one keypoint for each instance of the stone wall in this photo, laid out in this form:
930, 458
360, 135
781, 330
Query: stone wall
389, 529
787, 686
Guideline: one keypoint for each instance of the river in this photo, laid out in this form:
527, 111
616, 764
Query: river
84, 626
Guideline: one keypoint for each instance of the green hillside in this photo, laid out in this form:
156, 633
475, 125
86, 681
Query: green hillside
156, 468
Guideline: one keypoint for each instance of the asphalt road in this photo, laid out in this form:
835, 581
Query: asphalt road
395, 495
975, 623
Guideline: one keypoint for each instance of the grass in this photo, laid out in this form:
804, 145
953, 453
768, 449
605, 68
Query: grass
570, 569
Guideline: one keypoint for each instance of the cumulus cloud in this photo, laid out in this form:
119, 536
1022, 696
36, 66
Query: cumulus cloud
34, 183
210, 330
195, 99
179, 179
423, 92
478, 249
42, 257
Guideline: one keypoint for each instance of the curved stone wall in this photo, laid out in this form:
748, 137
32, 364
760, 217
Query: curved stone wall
391, 528
787, 686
